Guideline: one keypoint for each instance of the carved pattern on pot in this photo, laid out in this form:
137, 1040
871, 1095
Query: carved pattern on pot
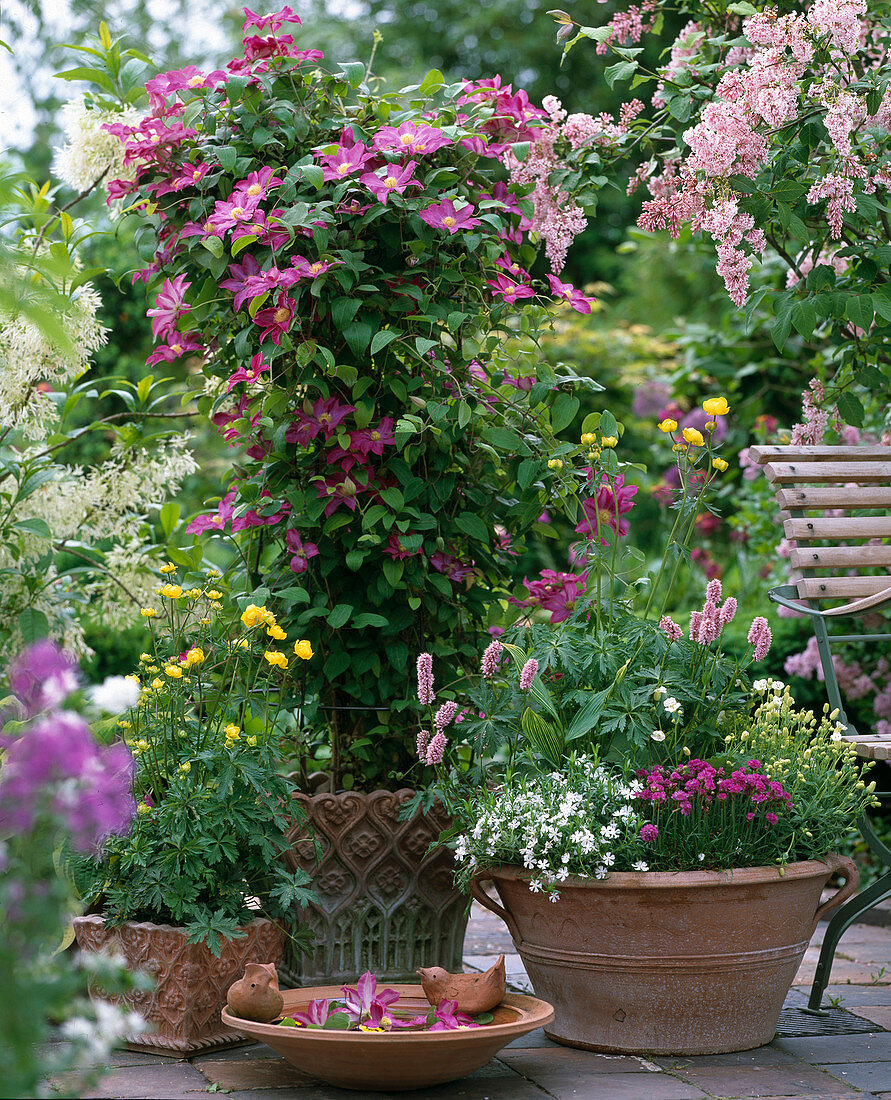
191, 985
402, 911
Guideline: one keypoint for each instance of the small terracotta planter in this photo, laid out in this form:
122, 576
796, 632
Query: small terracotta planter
694, 962
384, 903
184, 1008
396, 1060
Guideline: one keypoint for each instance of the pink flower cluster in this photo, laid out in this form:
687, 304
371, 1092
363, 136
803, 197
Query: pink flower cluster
553, 591
707, 625
698, 785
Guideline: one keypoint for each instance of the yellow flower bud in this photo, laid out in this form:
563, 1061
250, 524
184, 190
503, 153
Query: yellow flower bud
193, 593
212, 594
148, 612
214, 573
157, 684
668, 425
679, 447
186, 768
168, 568
593, 456
691, 435
303, 649
588, 439
710, 425
609, 441
143, 808
720, 464
252, 741
555, 464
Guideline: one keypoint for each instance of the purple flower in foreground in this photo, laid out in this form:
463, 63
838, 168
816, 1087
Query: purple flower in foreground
42, 677
58, 767
358, 1002
316, 1015
648, 833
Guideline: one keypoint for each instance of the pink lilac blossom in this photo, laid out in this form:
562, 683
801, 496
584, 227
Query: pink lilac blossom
425, 679
759, 636
528, 674
491, 659
815, 418
839, 191
841, 21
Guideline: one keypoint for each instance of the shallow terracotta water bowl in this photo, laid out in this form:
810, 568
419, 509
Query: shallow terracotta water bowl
397, 1060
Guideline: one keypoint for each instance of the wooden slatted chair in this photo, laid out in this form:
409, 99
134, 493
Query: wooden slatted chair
836, 509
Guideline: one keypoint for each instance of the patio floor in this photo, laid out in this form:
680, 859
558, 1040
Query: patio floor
852, 1063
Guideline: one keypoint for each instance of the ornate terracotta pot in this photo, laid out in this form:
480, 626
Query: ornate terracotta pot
655, 962
385, 904
184, 1007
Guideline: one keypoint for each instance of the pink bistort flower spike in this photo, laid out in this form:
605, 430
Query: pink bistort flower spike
713, 591
422, 743
444, 715
436, 748
728, 610
760, 637
425, 679
671, 628
528, 674
695, 625
491, 659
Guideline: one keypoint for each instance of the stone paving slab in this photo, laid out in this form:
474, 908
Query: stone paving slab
871, 1076
825, 1049
174, 1081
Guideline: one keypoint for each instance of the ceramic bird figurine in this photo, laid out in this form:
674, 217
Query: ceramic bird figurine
256, 996
474, 993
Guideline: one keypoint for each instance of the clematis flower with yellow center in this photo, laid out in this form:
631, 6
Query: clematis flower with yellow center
716, 406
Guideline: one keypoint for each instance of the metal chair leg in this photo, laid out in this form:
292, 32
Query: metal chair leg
838, 925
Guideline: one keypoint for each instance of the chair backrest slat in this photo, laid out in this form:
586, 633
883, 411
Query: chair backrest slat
835, 496
844, 527
833, 588
793, 473
844, 557
762, 453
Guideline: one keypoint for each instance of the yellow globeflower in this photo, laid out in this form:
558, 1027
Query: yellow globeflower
719, 464
275, 631
692, 435
252, 741
679, 447
186, 767
710, 425
171, 591
193, 593
157, 684
232, 732
168, 568
274, 657
132, 676
303, 649
212, 594
589, 439
609, 441
668, 425
214, 573
148, 612
143, 808
195, 656
146, 657
716, 406
555, 464
173, 671
255, 616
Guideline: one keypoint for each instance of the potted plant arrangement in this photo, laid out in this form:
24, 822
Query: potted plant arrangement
199, 885
645, 811
342, 265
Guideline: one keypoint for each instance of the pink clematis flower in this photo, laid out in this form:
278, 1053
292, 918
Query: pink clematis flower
324, 416
316, 1015
275, 320
411, 137
272, 20
395, 550
568, 293
180, 344
509, 291
169, 306
390, 180
257, 185
239, 276
448, 1018
373, 440
340, 489
250, 375
347, 160
609, 505
358, 1002
553, 591
301, 551
443, 215
237, 211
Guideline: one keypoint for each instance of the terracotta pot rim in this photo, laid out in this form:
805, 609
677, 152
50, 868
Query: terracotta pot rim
533, 1013
667, 879
99, 918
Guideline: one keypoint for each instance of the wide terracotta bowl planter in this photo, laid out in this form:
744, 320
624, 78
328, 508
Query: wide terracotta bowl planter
385, 902
396, 1060
183, 1009
694, 962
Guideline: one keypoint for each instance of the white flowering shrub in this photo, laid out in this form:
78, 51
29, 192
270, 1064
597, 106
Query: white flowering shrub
90, 152
582, 821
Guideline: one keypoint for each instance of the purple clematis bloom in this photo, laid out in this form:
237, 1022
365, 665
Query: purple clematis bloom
358, 1002
316, 1014
448, 1018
